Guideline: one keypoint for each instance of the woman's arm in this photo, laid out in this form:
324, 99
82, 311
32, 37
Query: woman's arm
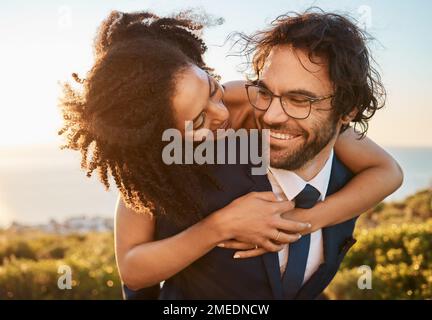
377, 175
144, 262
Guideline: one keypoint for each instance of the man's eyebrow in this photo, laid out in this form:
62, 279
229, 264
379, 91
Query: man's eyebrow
295, 91
262, 84
303, 92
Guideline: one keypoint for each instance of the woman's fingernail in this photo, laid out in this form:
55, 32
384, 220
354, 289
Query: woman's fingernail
236, 256
299, 236
221, 245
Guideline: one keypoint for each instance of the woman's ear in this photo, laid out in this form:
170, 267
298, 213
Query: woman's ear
346, 119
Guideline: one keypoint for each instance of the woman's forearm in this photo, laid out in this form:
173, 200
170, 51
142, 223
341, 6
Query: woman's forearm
254, 217
150, 263
364, 191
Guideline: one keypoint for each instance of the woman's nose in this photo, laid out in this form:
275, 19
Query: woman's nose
217, 113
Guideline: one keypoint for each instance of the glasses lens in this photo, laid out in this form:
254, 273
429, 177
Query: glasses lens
296, 106
259, 97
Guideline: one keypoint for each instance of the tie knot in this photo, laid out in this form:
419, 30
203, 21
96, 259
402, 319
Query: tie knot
307, 198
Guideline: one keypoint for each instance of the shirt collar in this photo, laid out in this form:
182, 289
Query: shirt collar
291, 184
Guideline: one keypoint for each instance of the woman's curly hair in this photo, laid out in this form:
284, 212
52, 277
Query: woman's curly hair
117, 117
335, 37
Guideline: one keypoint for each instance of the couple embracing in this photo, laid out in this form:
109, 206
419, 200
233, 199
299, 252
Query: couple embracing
216, 231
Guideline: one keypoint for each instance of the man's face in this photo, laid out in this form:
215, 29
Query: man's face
293, 143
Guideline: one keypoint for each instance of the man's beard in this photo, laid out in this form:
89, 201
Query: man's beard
296, 159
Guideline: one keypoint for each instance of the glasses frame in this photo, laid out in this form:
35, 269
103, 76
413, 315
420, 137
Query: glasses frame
311, 100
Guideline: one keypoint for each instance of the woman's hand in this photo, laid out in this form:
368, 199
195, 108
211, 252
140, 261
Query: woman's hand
249, 250
256, 220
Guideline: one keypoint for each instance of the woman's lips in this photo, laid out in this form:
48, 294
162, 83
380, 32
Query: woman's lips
225, 124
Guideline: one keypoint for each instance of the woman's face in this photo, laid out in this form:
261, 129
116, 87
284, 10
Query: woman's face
199, 98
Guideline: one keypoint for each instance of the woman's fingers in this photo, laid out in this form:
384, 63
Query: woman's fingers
234, 244
291, 226
266, 195
271, 246
283, 206
285, 238
249, 253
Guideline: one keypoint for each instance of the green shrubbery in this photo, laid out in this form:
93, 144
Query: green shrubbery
400, 257
394, 240
29, 267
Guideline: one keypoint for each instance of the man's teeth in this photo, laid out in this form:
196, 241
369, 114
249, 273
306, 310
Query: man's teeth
282, 136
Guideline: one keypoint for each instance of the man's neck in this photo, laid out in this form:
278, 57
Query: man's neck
314, 166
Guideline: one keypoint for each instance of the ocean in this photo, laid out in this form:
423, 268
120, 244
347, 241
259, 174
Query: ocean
42, 183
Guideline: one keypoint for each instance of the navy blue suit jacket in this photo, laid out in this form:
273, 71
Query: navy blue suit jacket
217, 275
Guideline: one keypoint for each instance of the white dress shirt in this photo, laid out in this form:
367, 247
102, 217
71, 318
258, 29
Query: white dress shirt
287, 185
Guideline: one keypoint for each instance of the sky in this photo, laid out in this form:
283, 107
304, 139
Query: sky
43, 42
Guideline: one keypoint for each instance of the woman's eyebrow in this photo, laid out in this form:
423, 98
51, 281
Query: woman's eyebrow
212, 89
211, 93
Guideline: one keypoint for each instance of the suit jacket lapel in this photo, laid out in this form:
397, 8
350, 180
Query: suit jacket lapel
271, 259
330, 249
271, 262
336, 182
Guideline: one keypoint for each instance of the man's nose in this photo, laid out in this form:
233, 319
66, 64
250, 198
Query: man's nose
275, 113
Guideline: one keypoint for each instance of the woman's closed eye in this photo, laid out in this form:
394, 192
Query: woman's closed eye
218, 93
199, 121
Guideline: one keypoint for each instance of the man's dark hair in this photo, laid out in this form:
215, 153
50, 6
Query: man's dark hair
336, 38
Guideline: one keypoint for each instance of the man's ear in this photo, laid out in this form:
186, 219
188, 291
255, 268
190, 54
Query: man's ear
346, 119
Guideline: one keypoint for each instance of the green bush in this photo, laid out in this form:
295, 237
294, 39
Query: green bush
394, 240
401, 261
94, 274
18, 249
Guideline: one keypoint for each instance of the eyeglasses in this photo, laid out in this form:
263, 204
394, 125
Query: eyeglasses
297, 106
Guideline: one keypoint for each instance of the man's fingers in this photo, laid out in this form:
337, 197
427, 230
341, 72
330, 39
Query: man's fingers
234, 244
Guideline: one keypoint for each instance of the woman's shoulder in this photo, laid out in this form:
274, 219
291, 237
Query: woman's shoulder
235, 92
236, 100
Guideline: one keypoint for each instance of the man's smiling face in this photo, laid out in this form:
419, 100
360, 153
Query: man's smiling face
295, 142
